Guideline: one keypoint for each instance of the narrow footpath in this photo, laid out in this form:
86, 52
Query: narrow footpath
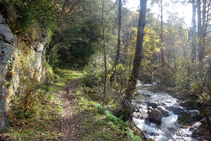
70, 127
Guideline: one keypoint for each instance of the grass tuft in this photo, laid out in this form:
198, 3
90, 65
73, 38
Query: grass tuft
36, 113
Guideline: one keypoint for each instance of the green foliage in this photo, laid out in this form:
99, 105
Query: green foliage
32, 13
73, 47
81, 34
91, 80
98, 123
184, 82
50, 75
35, 111
30, 111
150, 49
185, 117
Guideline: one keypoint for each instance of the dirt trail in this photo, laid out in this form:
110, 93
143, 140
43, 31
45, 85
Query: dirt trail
70, 127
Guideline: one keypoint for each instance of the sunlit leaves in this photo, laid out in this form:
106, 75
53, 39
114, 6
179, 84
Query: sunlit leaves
150, 47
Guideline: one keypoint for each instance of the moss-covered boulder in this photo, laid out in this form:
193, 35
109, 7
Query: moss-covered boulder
184, 117
189, 117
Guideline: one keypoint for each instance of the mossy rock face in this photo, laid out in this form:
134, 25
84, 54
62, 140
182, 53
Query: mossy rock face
192, 104
184, 117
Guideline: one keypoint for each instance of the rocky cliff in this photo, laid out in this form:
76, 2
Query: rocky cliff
7, 46
18, 60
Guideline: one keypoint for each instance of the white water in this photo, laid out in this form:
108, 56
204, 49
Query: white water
170, 129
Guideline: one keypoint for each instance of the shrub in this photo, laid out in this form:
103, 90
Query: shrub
31, 13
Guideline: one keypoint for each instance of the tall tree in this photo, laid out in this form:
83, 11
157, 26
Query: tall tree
161, 34
117, 59
137, 60
104, 51
204, 26
193, 50
200, 47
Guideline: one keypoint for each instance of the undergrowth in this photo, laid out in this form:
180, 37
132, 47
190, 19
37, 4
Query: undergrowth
42, 121
97, 122
35, 112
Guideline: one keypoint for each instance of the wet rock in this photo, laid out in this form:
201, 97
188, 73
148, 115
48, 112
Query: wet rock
139, 101
153, 104
195, 126
195, 115
175, 109
171, 129
155, 116
136, 115
162, 103
188, 117
146, 95
149, 108
164, 111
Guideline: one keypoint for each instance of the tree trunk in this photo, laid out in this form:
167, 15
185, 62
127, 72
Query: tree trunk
204, 26
117, 59
193, 51
137, 61
104, 52
161, 35
200, 47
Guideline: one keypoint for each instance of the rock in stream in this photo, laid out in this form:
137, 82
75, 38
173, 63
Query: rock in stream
161, 122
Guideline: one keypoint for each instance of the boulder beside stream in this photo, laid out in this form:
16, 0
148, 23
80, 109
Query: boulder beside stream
175, 109
188, 117
155, 116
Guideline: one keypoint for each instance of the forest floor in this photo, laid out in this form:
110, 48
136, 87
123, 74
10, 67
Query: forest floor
69, 113
70, 129
85, 119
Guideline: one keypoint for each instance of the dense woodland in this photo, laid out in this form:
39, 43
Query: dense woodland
112, 47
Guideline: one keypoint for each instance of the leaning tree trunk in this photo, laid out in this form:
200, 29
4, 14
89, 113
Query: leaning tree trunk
137, 61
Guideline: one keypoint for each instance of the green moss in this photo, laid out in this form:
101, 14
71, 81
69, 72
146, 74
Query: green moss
98, 123
185, 117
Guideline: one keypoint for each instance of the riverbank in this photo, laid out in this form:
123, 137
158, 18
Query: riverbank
177, 121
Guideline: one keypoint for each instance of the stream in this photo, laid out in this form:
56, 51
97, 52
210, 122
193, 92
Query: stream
169, 129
